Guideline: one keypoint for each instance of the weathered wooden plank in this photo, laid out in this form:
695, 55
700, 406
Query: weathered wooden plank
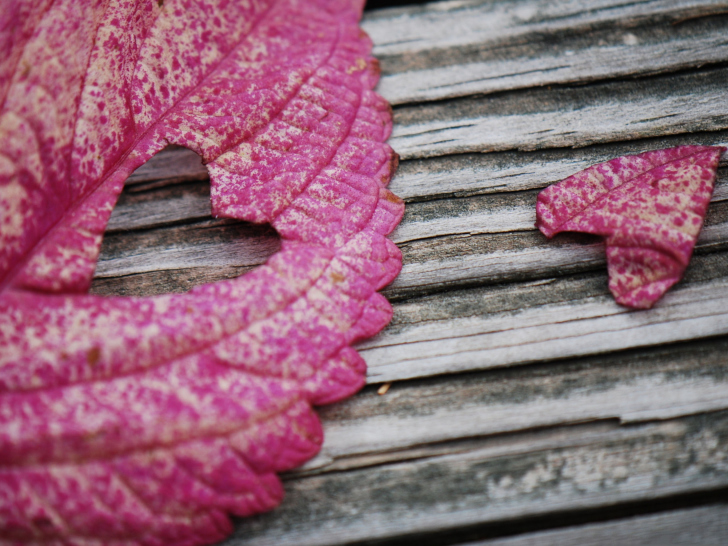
173, 165
582, 324
480, 240
472, 215
458, 23
162, 206
553, 60
468, 174
507, 477
165, 281
452, 259
213, 243
579, 116
703, 526
633, 386
504, 298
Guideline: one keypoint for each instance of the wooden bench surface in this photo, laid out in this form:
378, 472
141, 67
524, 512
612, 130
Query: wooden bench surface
526, 406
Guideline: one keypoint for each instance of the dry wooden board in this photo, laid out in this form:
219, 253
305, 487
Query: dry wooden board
208, 243
455, 261
478, 174
476, 68
630, 387
705, 526
564, 117
507, 477
502, 214
462, 22
587, 326
450, 260
439, 252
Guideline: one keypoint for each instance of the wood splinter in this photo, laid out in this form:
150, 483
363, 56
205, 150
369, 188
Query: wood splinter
384, 388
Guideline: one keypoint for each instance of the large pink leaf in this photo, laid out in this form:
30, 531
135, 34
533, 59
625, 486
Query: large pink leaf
649, 207
129, 421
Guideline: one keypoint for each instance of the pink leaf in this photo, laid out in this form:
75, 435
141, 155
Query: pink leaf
144, 421
649, 207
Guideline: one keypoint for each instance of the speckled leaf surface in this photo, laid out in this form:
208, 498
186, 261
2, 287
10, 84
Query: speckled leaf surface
128, 421
649, 208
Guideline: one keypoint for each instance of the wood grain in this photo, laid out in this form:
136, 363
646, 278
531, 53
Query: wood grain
649, 47
546, 332
628, 387
508, 477
206, 243
476, 174
705, 526
457, 23
565, 117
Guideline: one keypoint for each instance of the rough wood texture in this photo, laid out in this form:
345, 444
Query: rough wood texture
565, 117
635, 386
488, 24
510, 477
521, 393
630, 46
706, 526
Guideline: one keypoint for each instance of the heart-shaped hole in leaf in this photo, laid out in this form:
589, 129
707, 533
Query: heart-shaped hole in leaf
161, 237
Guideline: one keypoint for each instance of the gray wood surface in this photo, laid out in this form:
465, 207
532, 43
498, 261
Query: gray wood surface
638, 386
525, 475
565, 117
705, 526
617, 40
525, 404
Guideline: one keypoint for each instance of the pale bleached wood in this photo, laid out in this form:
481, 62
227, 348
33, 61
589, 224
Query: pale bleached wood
482, 301
590, 326
456, 23
188, 203
512, 477
468, 260
166, 281
632, 387
461, 260
611, 54
703, 526
565, 117
430, 264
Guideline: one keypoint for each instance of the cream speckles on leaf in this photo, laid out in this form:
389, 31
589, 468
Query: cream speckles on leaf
145, 421
650, 209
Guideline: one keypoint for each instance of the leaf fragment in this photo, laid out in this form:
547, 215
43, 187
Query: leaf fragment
649, 208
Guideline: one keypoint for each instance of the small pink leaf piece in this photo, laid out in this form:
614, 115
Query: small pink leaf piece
145, 421
650, 209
